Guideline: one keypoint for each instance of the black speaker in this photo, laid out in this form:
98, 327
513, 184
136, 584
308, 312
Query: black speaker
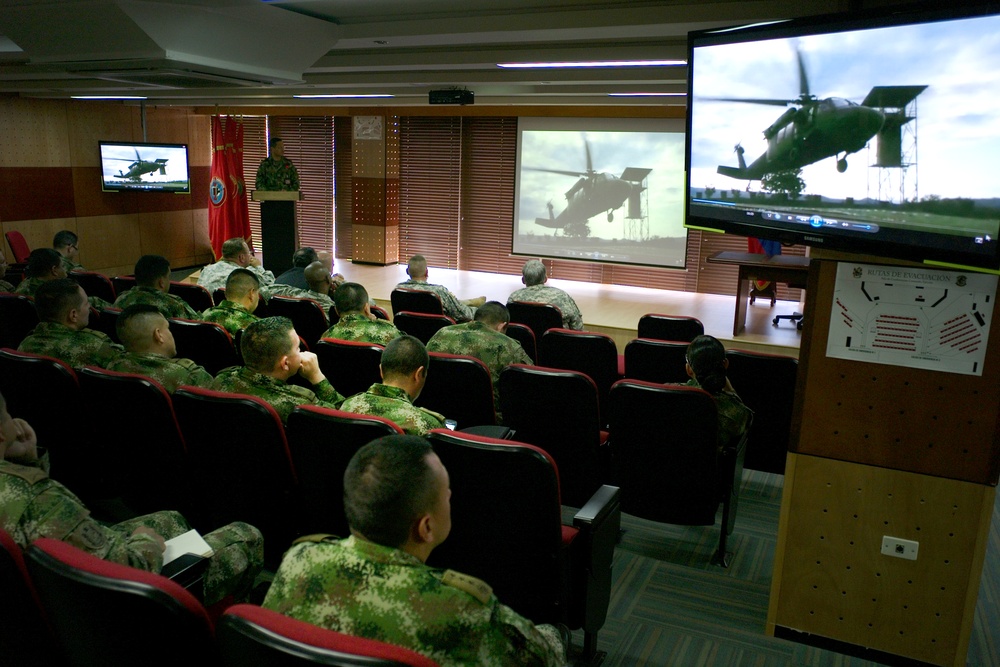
451, 97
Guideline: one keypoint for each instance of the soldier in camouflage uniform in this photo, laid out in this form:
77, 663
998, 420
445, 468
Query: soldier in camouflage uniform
44, 264
271, 352
152, 285
276, 172
356, 319
320, 283
66, 243
460, 311
706, 365
4, 285
404, 372
536, 291
150, 350
235, 313
32, 505
62, 332
235, 255
484, 339
375, 584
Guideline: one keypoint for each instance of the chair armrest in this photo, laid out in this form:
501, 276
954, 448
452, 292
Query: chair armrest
188, 571
598, 521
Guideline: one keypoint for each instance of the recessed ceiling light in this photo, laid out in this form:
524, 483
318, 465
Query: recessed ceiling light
339, 96
107, 97
647, 94
595, 63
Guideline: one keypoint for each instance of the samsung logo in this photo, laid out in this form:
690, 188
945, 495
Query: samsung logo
814, 239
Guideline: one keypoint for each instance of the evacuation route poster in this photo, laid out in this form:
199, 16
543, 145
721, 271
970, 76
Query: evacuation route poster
914, 317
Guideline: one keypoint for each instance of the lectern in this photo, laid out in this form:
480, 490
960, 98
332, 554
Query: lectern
278, 229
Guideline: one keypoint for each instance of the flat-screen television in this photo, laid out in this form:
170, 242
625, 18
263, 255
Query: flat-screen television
868, 133
144, 167
607, 190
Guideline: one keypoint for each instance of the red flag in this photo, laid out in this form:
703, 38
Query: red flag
228, 211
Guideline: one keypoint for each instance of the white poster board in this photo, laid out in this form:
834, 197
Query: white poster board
912, 316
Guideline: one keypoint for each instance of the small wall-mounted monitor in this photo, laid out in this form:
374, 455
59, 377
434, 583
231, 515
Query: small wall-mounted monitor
875, 133
144, 167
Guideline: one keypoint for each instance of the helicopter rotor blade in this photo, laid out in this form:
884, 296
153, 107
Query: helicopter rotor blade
556, 171
752, 100
590, 164
803, 76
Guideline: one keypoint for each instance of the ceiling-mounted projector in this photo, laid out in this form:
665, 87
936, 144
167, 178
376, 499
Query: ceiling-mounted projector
451, 97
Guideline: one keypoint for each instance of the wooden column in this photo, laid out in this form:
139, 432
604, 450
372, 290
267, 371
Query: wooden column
375, 150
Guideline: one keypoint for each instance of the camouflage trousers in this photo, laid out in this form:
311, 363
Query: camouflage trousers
238, 547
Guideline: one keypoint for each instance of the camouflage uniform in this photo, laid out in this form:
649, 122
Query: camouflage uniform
77, 348
282, 396
558, 298
6, 286
358, 327
232, 316
214, 276
394, 404
368, 590
29, 286
453, 307
475, 339
734, 417
70, 265
170, 305
171, 373
296, 293
33, 505
275, 175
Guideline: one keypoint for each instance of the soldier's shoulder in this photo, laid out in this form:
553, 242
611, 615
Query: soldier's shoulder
478, 589
30, 474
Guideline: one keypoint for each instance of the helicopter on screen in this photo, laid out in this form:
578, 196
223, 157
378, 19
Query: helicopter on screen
810, 130
139, 167
593, 193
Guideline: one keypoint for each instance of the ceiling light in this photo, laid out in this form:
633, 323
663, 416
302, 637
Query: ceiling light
107, 97
595, 63
339, 96
647, 94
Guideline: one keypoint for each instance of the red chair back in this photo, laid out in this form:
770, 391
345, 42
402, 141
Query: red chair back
95, 284
307, 315
539, 317
421, 325
593, 354
24, 630
766, 383
196, 296
206, 343
670, 327
460, 388
17, 319
415, 301
18, 246
351, 366
654, 360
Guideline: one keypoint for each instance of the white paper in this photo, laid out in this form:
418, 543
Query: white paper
190, 542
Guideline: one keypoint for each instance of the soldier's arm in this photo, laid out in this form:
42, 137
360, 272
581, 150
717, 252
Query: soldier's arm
455, 308
328, 395
527, 643
574, 319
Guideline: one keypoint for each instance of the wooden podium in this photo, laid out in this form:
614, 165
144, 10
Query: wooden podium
278, 229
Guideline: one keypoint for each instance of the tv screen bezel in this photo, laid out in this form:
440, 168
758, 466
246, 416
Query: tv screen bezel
139, 145
950, 250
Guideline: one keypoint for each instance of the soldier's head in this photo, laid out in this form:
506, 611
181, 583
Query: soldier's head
494, 315
66, 243
44, 264
417, 268
533, 273
303, 257
404, 364
64, 302
153, 271
351, 299
143, 329
243, 287
707, 363
318, 278
236, 250
270, 346
17, 439
276, 147
396, 493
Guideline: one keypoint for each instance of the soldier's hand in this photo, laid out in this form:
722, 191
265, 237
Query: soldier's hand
22, 442
146, 530
254, 261
310, 368
475, 303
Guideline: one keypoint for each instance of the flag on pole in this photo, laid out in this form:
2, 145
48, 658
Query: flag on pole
228, 211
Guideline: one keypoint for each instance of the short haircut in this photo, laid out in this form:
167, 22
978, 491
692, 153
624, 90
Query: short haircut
41, 261
135, 325
264, 342
316, 273
55, 298
240, 282
304, 256
707, 357
273, 141
388, 485
150, 268
64, 238
403, 356
533, 272
233, 247
350, 298
417, 265
492, 313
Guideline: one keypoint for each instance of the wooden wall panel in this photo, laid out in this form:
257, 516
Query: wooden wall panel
91, 122
34, 193
202, 244
109, 241
167, 233
33, 133
200, 143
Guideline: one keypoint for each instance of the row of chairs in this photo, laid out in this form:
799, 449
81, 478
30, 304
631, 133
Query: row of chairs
63, 606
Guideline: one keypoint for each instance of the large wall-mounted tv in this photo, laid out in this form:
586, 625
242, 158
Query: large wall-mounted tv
144, 167
607, 190
870, 133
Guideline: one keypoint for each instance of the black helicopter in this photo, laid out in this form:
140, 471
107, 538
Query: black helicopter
810, 130
594, 192
139, 167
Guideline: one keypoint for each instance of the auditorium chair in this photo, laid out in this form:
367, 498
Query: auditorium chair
523, 334
593, 354
321, 442
218, 295
196, 296
351, 366
557, 410
94, 284
251, 635
206, 343
460, 388
415, 301
670, 327
123, 283
25, 634
377, 311
241, 469
539, 317
766, 383
18, 246
507, 530
307, 315
654, 360
104, 613
17, 319
421, 325
106, 321
664, 443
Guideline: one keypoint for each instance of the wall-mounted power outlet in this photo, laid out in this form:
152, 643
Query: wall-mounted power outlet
900, 548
